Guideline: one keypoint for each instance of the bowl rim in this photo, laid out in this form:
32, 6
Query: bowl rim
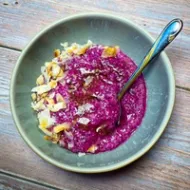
138, 154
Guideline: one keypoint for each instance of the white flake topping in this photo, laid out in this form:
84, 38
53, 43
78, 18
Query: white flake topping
84, 108
80, 154
85, 71
84, 120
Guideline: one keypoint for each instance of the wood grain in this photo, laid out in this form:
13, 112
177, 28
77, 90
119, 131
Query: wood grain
166, 166
20, 22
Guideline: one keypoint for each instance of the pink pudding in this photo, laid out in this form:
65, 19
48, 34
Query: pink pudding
89, 87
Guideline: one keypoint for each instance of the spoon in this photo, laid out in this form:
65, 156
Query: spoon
168, 34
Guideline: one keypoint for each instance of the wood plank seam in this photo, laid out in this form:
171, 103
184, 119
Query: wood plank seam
11, 48
183, 88
39, 183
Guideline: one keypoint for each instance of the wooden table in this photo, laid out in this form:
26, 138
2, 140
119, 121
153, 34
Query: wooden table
165, 166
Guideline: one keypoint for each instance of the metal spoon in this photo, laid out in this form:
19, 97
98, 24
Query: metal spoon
168, 34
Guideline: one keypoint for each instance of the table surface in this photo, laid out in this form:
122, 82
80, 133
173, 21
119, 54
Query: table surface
165, 166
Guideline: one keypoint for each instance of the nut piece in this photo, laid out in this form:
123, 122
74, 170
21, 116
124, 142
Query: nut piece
41, 89
55, 70
92, 149
40, 80
48, 133
54, 138
50, 100
62, 127
109, 51
38, 106
61, 73
56, 107
45, 119
59, 98
57, 53
49, 66
82, 50
43, 95
43, 123
52, 84
34, 96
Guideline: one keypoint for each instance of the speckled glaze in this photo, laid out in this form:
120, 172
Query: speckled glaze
101, 29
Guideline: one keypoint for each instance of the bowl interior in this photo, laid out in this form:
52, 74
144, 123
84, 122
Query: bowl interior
101, 29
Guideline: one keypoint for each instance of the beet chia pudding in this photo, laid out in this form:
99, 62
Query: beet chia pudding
76, 98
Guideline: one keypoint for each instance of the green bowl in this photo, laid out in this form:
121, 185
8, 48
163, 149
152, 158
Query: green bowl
101, 29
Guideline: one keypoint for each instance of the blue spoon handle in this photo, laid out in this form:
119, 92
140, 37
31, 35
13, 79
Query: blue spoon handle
168, 34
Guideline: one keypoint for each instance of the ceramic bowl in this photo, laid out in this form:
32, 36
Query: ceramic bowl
101, 29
